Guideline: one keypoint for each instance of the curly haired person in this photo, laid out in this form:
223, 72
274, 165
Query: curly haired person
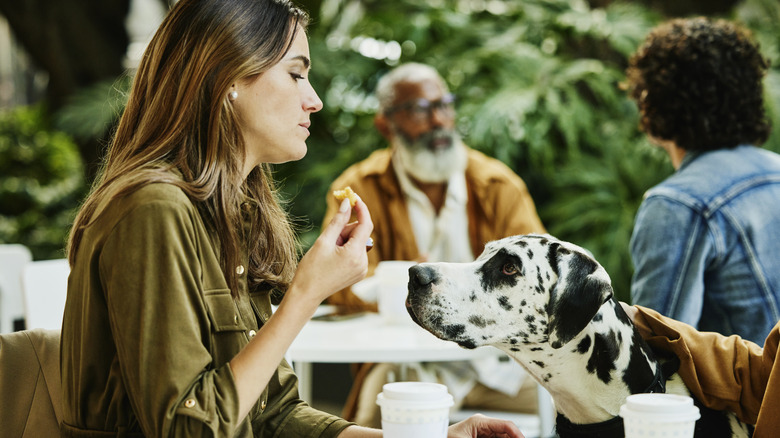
706, 245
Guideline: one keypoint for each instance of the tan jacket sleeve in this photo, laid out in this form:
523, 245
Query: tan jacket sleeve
724, 372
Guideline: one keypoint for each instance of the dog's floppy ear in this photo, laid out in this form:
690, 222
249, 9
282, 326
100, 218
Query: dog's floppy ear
582, 287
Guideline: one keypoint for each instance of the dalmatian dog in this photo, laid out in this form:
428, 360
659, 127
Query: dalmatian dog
549, 305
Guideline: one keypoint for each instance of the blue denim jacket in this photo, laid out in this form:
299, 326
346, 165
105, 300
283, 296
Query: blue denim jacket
706, 243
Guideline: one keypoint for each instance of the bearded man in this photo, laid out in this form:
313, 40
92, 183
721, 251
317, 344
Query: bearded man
434, 199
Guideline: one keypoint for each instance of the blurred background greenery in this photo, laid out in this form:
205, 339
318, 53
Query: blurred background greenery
538, 86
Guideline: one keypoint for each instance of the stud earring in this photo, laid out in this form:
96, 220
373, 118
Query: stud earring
233, 95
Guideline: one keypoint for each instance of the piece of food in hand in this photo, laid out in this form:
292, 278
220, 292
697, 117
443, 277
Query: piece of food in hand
346, 193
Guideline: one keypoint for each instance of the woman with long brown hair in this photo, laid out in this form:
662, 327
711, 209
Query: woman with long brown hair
168, 329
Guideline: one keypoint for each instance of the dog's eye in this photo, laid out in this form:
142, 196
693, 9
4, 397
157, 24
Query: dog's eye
509, 269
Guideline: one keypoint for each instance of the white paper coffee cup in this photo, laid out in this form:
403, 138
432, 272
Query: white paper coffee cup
393, 280
414, 410
659, 416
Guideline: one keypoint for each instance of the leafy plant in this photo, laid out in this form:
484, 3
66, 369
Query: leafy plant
538, 86
42, 181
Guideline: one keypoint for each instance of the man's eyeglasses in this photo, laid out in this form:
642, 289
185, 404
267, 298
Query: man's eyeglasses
422, 109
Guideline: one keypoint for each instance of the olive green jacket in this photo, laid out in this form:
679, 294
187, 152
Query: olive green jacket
150, 326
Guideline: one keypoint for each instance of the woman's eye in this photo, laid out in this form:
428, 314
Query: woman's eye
296, 76
509, 269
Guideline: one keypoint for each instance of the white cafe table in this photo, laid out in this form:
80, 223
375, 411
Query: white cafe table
370, 338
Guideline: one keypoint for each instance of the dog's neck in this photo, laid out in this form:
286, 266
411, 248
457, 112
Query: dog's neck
590, 376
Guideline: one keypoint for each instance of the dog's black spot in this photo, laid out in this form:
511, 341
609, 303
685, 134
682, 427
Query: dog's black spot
477, 321
521, 243
602, 358
491, 272
514, 349
538, 363
530, 318
523, 303
473, 297
537, 349
503, 301
530, 254
452, 331
577, 296
584, 345
637, 375
467, 343
547, 377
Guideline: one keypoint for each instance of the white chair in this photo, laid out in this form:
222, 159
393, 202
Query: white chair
13, 258
45, 286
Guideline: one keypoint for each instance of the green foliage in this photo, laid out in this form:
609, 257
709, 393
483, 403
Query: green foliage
42, 181
91, 112
538, 86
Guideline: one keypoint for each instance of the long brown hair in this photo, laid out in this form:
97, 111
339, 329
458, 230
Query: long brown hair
179, 118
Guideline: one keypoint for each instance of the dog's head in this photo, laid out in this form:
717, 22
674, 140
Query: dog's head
529, 289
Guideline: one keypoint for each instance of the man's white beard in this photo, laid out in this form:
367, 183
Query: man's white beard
431, 166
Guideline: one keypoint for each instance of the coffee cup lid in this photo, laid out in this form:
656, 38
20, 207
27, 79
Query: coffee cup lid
661, 407
414, 393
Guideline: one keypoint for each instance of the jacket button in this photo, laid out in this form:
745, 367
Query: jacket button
262, 405
240, 269
189, 403
235, 319
252, 334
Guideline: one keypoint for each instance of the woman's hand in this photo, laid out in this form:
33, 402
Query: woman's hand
480, 426
476, 426
338, 257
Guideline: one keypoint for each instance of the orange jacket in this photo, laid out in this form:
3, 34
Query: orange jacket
723, 372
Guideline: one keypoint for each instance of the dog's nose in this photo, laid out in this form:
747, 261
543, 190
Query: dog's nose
421, 276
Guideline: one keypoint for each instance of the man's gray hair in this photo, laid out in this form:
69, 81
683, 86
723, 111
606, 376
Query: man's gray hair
409, 72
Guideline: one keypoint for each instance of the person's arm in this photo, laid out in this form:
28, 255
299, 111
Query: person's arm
724, 372
473, 427
669, 249
336, 260
151, 273
151, 277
